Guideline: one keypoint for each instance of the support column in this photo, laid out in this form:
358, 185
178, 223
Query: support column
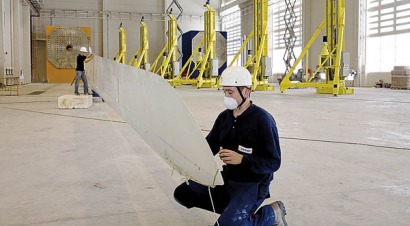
7, 33
2, 58
106, 35
26, 44
16, 36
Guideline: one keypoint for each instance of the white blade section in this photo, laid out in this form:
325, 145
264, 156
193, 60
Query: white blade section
153, 108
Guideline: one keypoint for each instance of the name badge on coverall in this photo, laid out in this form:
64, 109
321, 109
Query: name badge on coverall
245, 150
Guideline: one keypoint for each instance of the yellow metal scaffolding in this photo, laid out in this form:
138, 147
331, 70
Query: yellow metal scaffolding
330, 57
121, 54
207, 65
258, 63
169, 67
140, 59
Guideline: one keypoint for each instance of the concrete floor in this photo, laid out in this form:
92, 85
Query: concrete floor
346, 160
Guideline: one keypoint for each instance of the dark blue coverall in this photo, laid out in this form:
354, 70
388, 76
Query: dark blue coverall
254, 135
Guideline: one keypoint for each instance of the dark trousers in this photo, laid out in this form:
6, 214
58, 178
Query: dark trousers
196, 195
81, 75
236, 202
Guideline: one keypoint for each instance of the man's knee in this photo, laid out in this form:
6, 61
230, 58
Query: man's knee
183, 195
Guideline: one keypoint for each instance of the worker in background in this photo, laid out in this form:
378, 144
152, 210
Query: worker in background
246, 139
79, 71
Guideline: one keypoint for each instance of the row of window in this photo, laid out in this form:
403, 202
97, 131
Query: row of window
388, 35
387, 29
276, 31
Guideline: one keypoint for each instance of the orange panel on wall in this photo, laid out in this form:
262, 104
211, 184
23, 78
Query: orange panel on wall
61, 62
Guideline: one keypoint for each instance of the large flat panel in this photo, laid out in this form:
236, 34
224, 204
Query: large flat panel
153, 108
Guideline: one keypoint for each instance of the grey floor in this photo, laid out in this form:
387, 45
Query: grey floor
346, 160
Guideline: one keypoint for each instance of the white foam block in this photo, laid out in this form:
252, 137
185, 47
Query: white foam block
74, 101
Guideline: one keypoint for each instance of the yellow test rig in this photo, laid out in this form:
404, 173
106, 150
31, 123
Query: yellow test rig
207, 65
140, 59
121, 54
169, 67
258, 63
329, 61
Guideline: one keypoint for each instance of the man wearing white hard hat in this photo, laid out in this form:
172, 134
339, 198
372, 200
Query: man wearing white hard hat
246, 139
79, 71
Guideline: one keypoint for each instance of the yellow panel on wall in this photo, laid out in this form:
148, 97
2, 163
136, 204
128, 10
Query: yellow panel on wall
61, 62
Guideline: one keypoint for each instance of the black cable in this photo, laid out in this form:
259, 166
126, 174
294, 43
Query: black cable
79, 117
31, 102
351, 99
336, 142
207, 130
344, 142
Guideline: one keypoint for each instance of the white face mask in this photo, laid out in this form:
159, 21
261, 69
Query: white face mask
230, 103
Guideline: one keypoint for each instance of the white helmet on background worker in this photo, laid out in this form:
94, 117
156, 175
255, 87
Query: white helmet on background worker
83, 49
236, 76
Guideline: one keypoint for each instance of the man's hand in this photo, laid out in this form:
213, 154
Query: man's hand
230, 157
89, 58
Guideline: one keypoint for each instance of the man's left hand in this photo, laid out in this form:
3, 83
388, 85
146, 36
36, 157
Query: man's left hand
230, 157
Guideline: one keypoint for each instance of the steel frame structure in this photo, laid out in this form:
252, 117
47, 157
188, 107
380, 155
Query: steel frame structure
258, 62
330, 57
140, 59
121, 54
169, 53
204, 64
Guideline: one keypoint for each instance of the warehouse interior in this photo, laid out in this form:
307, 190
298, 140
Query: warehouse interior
334, 74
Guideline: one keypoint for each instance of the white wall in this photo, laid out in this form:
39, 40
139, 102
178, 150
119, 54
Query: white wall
15, 38
154, 23
195, 9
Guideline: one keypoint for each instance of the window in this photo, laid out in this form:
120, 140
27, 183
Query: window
231, 22
226, 2
388, 32
277, 28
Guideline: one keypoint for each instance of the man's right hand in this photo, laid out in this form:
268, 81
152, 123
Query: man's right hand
230, 157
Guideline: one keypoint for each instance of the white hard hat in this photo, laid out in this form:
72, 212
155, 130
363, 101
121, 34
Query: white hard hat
236, 76
83, 49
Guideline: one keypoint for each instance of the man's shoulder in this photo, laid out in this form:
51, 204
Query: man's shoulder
259, 110
262, 113
225, 113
